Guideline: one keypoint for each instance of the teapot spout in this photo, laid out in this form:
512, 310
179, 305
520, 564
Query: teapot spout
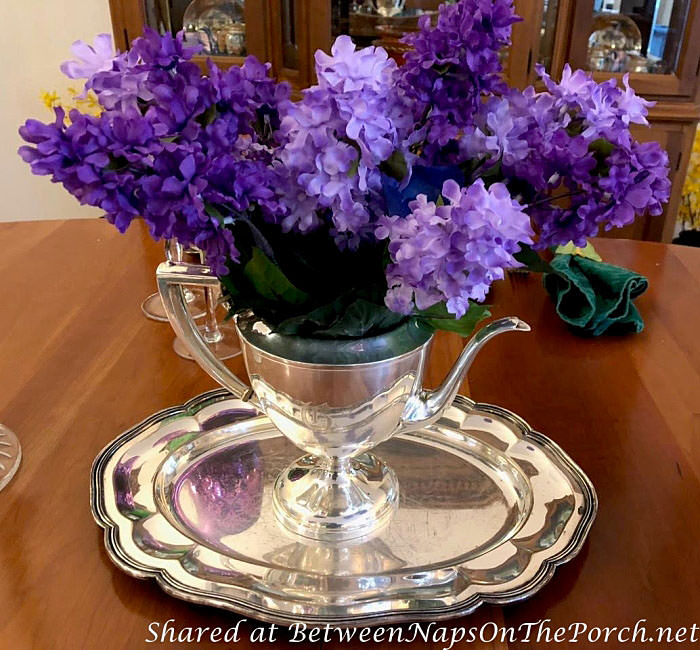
427, 406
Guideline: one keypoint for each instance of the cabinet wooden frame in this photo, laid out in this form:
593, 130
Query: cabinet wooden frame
312, 27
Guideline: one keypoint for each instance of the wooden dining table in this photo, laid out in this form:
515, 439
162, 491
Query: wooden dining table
80, 364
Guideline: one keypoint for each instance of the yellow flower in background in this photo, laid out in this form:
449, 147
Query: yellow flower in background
689, 211
50, 99
71, 99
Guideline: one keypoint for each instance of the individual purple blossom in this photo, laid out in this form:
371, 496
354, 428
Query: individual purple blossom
91, 59
153, 62
246, 96
452, 252
606, 109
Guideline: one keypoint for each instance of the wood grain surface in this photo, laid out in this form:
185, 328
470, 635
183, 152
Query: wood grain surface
79, 364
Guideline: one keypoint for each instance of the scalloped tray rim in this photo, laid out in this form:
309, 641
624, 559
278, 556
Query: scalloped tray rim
185, 592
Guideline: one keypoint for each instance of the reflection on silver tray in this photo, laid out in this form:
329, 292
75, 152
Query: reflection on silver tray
488, 508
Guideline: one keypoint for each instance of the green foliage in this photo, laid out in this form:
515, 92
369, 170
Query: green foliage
269, 282
395, 166
601, 149
208, 116
438, 318
532, 260
303, 285
214, 212
587, 251
348, 316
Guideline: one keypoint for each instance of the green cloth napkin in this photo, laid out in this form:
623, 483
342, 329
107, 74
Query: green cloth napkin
593, 297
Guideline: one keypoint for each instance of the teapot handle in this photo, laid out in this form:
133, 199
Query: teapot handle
172, 275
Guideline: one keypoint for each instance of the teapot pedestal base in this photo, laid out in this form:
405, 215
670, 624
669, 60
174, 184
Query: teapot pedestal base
335, 499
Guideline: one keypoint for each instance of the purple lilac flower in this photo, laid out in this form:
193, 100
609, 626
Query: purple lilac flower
606, 109
91, 59
337, 136
178, 149
77, 155
153, 63
453, 64
194, 154
452, 252
572, 141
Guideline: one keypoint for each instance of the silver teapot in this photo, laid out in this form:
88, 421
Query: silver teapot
334, 399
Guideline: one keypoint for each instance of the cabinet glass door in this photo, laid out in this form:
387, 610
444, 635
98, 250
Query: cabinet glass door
548, 33
636, 35
613, 36
219, 26
379, 22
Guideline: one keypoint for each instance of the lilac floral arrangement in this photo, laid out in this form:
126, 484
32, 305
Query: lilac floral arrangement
385, 193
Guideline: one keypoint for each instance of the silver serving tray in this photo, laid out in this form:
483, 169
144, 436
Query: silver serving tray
488, 509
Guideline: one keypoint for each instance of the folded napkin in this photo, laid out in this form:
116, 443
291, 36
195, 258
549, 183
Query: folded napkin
593, 297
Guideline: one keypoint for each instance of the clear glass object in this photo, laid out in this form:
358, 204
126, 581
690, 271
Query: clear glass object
218, 25
642, 36
10, 455
336, 400
152, 306
388, 8
221, 337
615, 44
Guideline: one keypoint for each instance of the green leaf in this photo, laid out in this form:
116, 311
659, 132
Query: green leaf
575, 127
354, 167
587, 251
214, 213
348, 316
601, 149
442, 69
269, 281
438, 318
395, 166
532, 260
117, 163
601, 146
492, 174
206, 118
320, 318
361, 318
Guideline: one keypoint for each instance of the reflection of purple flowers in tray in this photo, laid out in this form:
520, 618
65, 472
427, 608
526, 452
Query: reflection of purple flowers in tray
222, 493
488, 509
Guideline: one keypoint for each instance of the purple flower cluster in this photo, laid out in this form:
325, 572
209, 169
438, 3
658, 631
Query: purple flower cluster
569, 151
172, 146
361, 156
337, 136
453, 64
452, 252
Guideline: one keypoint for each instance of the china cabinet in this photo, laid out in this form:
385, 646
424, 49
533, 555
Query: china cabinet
656, 41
